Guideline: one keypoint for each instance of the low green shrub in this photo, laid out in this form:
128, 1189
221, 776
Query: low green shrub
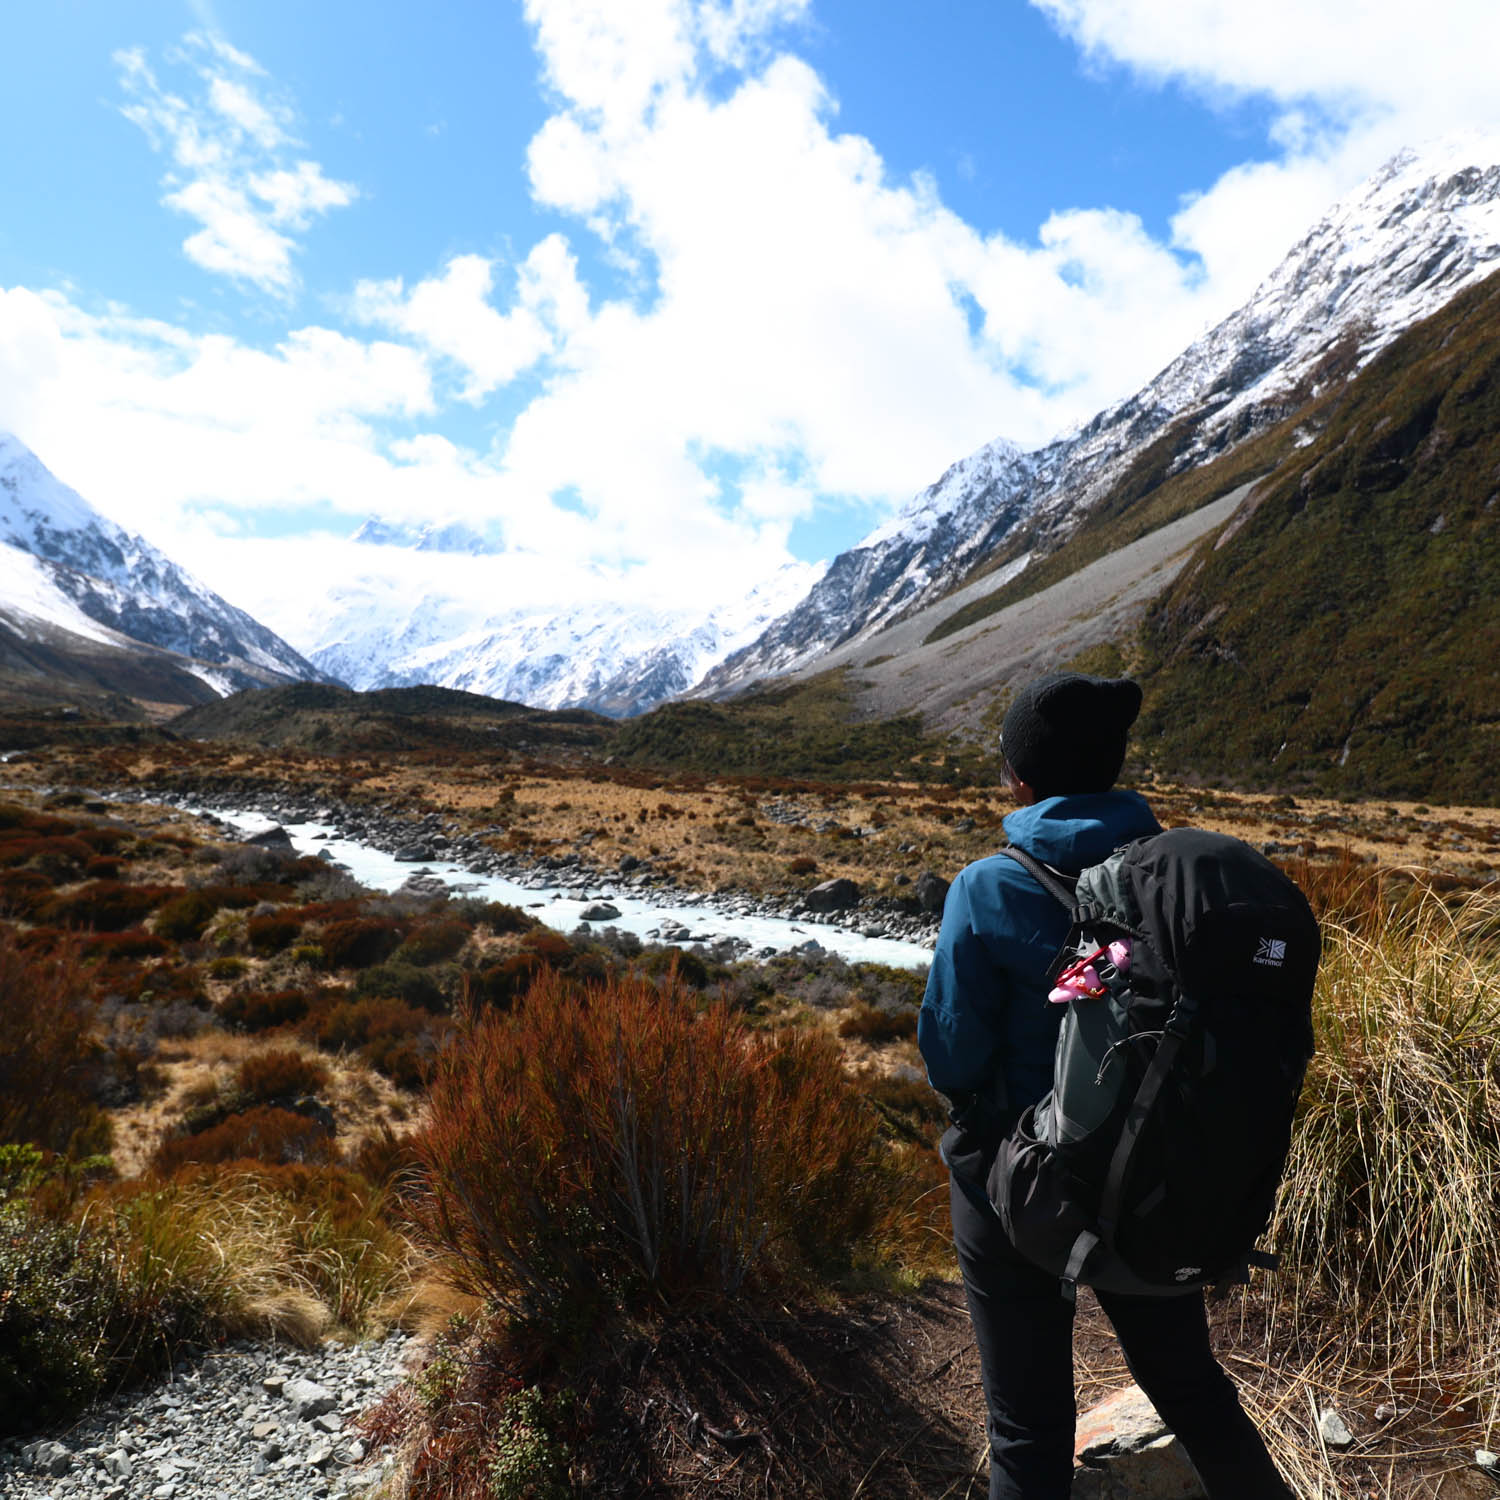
82, 1312
422, 988
184, 918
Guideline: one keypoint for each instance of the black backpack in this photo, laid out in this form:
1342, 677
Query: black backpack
1152, 1166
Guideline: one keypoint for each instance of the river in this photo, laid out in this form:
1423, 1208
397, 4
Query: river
650, 918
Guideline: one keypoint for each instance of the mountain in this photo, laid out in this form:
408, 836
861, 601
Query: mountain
1342, 629
613, 658
85, 602
1415, 234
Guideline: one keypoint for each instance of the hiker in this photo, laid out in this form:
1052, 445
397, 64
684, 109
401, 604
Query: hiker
987, 1033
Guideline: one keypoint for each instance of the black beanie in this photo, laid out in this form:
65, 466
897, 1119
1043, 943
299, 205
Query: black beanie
1066, 732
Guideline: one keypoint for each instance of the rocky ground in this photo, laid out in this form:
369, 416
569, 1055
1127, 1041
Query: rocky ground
251, 1420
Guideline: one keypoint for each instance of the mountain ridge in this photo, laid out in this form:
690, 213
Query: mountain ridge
1415, 233
86, 595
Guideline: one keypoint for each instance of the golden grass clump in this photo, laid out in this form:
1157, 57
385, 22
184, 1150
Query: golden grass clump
1389, 1203
294, 1251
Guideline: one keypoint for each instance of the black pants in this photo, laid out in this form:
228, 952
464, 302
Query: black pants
1023, 1326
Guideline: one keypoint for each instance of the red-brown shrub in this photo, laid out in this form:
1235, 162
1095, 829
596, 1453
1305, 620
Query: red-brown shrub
699, 1154
258, 1011
104, 840
502, 984
49, 1061
280, 1073
60, 856
871, 1024
16, 820
23, 893
432, 942
359, 942
264, 1134
385, 1158
551, 947
405, 1060
802, 865
106, 905
134, 942
163, 983
395, 1039
501, 918
103, 867
271, 932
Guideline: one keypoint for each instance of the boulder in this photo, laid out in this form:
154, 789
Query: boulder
1123, 1451
833, 895
275, 837
414, 854
600, 911
932, 891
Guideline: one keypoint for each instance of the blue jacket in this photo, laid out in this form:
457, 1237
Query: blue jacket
986, 1016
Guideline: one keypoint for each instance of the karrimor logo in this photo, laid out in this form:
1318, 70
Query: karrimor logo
1272, 951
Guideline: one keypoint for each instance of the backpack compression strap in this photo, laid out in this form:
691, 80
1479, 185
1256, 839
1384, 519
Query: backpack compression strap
1054, 882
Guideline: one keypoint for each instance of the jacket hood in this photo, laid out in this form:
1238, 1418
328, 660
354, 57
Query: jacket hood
1081, 828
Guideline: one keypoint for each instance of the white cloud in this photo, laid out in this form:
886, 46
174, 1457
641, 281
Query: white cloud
1351, 82
227, 170
451, 314
296, 196
805, 328
1355, 57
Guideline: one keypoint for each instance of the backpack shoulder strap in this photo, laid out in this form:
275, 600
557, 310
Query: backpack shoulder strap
1057, 885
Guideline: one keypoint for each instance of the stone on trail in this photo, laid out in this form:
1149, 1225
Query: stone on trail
309, 1399
1123, 1451
1333, 1429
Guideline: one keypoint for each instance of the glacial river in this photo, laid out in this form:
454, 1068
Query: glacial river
650, 916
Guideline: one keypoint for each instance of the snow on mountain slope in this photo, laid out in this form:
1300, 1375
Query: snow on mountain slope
68, 567
615, 658
1423, 227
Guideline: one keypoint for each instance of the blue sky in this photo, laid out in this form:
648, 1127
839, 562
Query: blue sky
660, 295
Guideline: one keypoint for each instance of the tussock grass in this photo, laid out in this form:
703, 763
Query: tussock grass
1390, 1197
298, 1252
1389, 1294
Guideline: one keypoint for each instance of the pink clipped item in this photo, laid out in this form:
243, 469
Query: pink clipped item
1080, 980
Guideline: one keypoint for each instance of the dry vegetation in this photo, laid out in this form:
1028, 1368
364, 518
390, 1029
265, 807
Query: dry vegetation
238, 1055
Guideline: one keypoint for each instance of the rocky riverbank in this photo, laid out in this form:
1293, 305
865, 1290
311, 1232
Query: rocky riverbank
432, 838
256, 1421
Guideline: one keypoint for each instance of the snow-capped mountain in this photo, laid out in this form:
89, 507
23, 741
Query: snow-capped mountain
614, 658
68, 573
454, 537
1394, 251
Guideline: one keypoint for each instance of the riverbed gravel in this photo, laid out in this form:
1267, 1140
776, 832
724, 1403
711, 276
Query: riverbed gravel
251, 1420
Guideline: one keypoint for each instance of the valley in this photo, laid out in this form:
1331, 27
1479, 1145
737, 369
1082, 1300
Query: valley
274, 1046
